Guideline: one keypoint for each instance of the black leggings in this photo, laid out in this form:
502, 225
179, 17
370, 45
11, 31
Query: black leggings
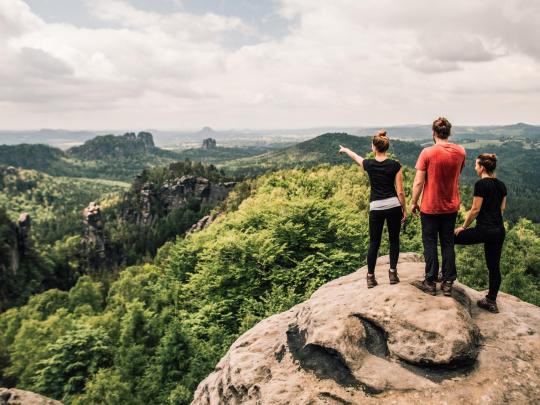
376, 222
493, 239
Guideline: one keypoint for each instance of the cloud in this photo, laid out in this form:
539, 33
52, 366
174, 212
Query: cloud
344, 62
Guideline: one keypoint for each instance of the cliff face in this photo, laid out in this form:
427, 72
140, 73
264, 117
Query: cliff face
392, 344
151, 202
15, 241
15, 257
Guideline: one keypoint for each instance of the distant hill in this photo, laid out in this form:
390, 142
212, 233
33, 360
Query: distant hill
124, 146
322, 149
108, 157
38, 157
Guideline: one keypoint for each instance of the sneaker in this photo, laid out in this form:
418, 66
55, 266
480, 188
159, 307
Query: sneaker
393, 276
446, 288
426, 286
488, 304
371, 282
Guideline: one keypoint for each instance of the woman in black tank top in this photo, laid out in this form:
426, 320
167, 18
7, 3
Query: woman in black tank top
386, 203
489, 202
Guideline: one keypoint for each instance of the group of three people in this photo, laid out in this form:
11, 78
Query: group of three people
437, 180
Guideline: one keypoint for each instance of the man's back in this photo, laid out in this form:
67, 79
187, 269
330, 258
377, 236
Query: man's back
442, 163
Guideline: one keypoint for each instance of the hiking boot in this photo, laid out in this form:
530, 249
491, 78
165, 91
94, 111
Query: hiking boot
487, 304
426, 286
371, 282
446, 288
392, 275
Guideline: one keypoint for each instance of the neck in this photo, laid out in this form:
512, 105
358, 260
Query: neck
484, 175
439, 140
380, 155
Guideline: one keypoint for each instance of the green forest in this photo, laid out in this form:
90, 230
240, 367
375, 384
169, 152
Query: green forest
146, 315
160, 328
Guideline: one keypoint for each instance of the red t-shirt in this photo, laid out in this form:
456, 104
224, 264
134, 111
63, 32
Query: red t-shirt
443, 164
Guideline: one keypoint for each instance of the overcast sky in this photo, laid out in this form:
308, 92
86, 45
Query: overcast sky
184, 64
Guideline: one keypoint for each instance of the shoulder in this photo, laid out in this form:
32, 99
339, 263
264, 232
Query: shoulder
479, 187
367, 163
395, 163
501, 185
426, 153
428, 150
481, 182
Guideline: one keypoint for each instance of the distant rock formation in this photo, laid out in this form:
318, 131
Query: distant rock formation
94, 234
154, 202
10, 170
13, 396
23, 233
209, 143
203, 223
17, 244
390, 344
129, 145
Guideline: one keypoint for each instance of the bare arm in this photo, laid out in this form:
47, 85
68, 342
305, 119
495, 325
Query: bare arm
473, 213
401, 193
358, 159
418, 187
503, 204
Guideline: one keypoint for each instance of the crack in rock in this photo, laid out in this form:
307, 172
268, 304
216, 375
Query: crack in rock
325, 362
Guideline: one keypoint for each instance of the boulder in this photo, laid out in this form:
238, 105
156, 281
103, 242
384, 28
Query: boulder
394, 344
13, 396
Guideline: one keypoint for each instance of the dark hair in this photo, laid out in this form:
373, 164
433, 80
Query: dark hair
381, 141
441, 126
488, 161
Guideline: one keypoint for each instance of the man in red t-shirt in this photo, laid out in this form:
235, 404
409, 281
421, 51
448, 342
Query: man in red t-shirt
437, 178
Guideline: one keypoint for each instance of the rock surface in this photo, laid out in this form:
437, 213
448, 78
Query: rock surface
392, 344
153, 202
94, 234
13, 396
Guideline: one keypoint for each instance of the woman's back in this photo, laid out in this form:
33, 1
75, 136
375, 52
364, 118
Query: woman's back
382, 176
492, 191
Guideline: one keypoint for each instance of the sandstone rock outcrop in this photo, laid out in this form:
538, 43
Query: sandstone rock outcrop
23, 233
13, 396
154, 202
209, 143
203, 223
94, 234
390, 344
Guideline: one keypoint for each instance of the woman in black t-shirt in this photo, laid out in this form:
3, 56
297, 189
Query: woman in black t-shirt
386, 204
489, 202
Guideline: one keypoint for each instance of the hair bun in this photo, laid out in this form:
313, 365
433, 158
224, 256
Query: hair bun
382, 132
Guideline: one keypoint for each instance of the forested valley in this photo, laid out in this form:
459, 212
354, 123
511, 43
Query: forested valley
135, 298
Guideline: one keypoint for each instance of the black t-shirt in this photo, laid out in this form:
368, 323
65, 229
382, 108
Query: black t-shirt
492, 191
382, 176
